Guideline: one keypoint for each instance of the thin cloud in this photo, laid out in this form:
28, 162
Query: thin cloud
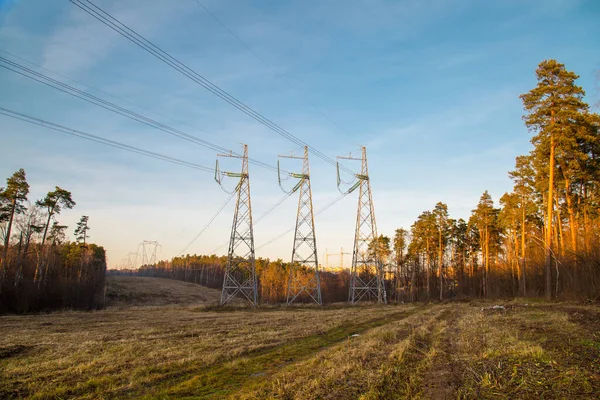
447, 121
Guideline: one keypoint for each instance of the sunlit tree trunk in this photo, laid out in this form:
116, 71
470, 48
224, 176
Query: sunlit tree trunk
572, 219
515, 255
486, 261
523, 262
428, 268
586, 222
558, 229
413, 282
549, 219
7, 237
441, 263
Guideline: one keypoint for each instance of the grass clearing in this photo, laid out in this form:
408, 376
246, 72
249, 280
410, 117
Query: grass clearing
193, 350
139, 350
127, 291
530, 352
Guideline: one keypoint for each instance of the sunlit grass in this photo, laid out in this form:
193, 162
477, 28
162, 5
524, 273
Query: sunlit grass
452, 350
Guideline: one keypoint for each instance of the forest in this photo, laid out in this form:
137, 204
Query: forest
39, 269
542, 239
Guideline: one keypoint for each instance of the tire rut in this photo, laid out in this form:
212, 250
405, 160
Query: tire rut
219, 381
443, 378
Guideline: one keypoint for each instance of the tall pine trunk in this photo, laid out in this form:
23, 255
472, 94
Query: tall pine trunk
516, 263
428, 268
487, 262
39, 268
549, 220
558, 229
413, 282
523, 264
572, 219
7, 238
441, 263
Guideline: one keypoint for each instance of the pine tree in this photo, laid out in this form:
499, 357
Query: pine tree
400, 245
484, 217
11, 204
554, 109
442, 223
424, 235
57, 235
82, 229
524, 179
53, 203
509, 219
460, 246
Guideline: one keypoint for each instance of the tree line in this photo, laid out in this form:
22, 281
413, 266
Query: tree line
272, 276
39, 269
540, 239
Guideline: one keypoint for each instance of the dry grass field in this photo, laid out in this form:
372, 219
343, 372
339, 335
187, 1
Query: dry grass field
195, 350
126, 291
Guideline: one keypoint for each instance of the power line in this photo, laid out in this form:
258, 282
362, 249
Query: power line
98, 139
68, 89
329, 205
273, 207
90, 8
102, 91
273, 71
65, 88
263, 215
323, 209
208, 224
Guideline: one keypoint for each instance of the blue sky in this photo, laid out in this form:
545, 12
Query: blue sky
430, 87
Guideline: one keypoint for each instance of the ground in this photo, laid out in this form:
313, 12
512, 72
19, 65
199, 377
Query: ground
125, 291
193, 349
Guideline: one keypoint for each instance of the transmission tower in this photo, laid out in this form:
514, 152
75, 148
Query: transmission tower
304, 282
340, 254
131, 262
240, 272
367, 275
149, 251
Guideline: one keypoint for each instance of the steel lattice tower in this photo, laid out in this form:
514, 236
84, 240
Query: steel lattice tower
304, 275
240, 272
367, 275
148, 252
131, 262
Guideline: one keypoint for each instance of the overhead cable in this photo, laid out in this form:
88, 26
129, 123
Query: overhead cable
101, 140
95, 89
119, 27
66, 88
323, 209
208, 224
273, 71
273, 207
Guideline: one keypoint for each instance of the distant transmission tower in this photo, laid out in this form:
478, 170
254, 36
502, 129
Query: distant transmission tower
367, 275
131, 260
240, 272
304, 269
149, 252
